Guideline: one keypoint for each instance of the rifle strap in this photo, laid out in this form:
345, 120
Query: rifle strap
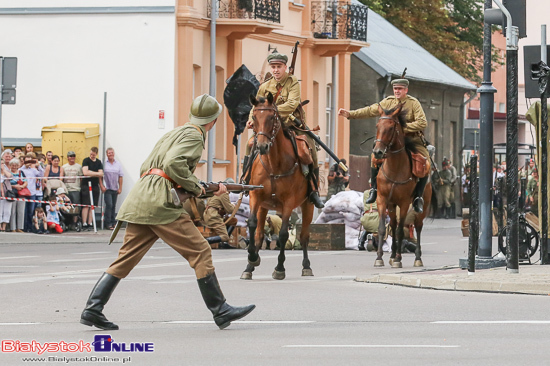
277, 95
193, 202
237, 205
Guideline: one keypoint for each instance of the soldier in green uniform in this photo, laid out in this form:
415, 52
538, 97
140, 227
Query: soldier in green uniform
216, 208
446, 177
151, 214
416, 123
338, 179
533, 192
287, 89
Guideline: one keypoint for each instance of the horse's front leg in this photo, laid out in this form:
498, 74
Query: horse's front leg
398, 233
393, 225
253, 256
279, 272
307, 217
418, 251
379, 262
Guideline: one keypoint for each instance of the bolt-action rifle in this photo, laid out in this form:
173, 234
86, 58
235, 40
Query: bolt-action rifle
179, 195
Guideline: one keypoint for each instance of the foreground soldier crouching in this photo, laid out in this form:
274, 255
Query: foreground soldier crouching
150, 215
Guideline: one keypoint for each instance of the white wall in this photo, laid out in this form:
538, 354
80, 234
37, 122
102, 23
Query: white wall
67, 61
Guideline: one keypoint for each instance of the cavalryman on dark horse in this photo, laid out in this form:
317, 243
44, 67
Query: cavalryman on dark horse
286, 91
416, 122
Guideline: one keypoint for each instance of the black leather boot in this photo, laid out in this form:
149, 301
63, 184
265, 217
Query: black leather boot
373, 184
362, 240
314, 195
213, 297
214, 239
447, 212
93, 313
418, 203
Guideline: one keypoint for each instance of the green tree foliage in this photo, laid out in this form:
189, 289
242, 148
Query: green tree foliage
451, 30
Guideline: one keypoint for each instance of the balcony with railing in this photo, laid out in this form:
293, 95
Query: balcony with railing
238, 18
339, 23
269, 10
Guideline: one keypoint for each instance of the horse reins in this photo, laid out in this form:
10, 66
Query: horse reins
276, 127
395, 133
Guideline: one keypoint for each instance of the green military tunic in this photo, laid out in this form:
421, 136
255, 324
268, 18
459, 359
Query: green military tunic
445, 189
216, 207
416, 119
177, 154
287, 102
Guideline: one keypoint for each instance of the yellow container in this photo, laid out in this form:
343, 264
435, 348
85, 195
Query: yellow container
65, 137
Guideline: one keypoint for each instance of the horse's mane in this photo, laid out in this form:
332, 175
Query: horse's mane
401, 117
285, 128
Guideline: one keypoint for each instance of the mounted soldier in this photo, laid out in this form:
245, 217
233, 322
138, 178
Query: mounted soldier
416, 123
285, 88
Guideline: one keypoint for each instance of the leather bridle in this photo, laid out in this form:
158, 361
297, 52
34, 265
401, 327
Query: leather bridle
395, 134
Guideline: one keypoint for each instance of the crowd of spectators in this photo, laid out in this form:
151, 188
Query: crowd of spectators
54, 193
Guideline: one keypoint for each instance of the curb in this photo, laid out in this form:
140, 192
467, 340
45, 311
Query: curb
490, 282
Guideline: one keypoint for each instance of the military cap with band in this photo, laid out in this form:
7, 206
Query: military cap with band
277, 57
204, 110
401, 82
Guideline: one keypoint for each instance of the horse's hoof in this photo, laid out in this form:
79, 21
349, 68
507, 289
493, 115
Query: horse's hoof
397, 265
379, 263
390, 261
256, 263
418, 263
307, 272
278, 275
246, 276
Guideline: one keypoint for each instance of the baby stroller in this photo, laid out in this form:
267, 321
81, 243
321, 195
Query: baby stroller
67, 213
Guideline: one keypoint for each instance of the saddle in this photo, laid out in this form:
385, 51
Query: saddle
420, 165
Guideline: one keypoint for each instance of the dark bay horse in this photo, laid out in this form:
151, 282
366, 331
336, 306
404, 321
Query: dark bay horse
278, 169
396, 184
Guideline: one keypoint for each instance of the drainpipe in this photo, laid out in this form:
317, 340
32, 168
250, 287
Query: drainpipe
212, 90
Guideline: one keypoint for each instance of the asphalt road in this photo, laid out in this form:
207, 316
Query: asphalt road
328, 319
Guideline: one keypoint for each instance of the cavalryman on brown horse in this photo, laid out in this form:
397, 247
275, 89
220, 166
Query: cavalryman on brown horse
285, 88
416, 123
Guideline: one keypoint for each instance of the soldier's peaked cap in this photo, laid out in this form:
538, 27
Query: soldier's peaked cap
400, 82
277, 57
204, 110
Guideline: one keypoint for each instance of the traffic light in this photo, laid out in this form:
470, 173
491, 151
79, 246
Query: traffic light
517, 11
531, 59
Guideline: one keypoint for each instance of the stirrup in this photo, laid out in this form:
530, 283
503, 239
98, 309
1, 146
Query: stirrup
372, 196
418, 205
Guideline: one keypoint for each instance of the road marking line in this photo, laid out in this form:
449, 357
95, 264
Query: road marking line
242, 322
369, 346
26, 256
19, 323
492, 322
86, 253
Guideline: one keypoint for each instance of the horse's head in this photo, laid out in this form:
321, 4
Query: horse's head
266, 122
388, 130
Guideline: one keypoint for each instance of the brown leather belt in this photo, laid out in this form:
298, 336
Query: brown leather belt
160, 173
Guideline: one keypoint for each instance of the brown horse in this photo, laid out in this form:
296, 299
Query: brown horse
396, 184
278, 169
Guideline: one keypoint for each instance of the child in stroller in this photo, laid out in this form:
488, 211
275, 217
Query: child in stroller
70, 215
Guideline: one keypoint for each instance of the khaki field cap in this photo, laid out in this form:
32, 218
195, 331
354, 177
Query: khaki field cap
277, 58
401, 82
204, 110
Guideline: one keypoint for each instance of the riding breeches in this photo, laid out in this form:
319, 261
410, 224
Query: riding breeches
182, 235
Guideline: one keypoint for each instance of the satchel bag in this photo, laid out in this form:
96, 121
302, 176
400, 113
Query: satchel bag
24, 192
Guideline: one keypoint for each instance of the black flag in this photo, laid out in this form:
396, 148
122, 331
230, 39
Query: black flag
235, 97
